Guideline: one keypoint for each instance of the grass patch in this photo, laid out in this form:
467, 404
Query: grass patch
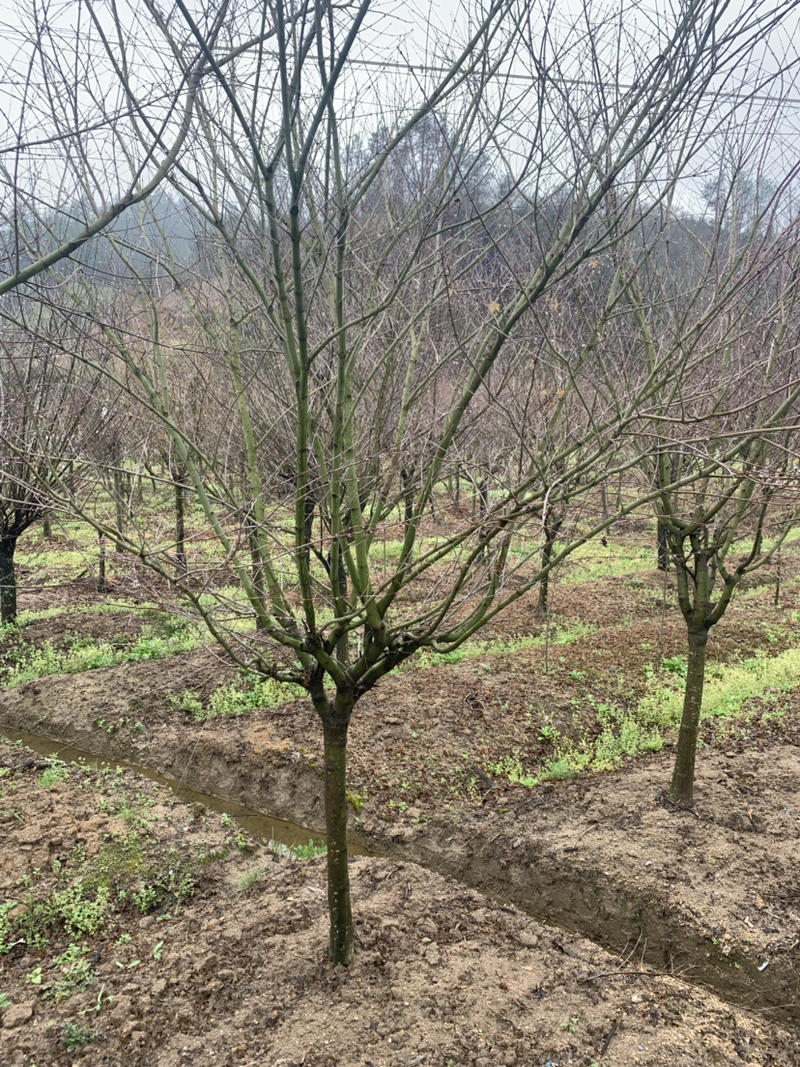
592, 561
128, 873
83, 654
108, 607
298, 852
727, 688
250, 880
232, 700
624, 734
564, 634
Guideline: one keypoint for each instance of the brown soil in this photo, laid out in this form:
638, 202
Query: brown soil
444, 975
706, 900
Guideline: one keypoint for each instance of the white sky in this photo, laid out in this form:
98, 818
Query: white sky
399, 33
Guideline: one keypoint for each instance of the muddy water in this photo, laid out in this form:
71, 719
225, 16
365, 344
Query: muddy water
254, 822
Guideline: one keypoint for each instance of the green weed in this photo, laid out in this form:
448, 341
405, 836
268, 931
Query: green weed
558, 770
232, 701
565, 634
74, 1036
145, 899
84, 655
591, 562
58, 771
250, 880
726, 689
76, 974
173, 886
6, 925
108, 607
80, 913
511, 767
298, 852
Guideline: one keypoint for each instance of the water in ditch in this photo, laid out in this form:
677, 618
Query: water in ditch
254, 822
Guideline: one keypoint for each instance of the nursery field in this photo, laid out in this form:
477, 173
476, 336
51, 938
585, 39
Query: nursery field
523, 891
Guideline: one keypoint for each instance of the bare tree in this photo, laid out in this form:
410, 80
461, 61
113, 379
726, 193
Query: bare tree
724, 434
46, 418
382, 325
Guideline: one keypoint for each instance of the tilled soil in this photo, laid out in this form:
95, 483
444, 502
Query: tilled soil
234, 974
700, 909
709, 893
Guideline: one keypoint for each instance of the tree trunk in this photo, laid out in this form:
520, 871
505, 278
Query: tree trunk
309, 507
8, 580
551, 529
180, 522
662, 546
483, 504
682, 788
257, 564
777, 597
618, 504
102, 587
47, 528
119, 509
407, 478
342, 940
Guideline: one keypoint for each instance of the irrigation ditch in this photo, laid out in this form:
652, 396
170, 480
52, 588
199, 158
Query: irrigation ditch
276, 794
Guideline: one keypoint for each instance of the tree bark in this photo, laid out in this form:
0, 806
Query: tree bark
342, 940
662, 546
102, 587
119, 509
8, 580
604, 500
309, 507
257, 565
777, 598
483, 505
682, 787
407, 478
551, 528
180, 522
618, 504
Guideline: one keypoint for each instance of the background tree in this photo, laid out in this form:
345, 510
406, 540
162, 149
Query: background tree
46, 420
724, 433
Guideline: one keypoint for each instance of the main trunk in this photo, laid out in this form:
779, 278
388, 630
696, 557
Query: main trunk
258, 576
342, 942
309, 507
8, 580
682, 788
